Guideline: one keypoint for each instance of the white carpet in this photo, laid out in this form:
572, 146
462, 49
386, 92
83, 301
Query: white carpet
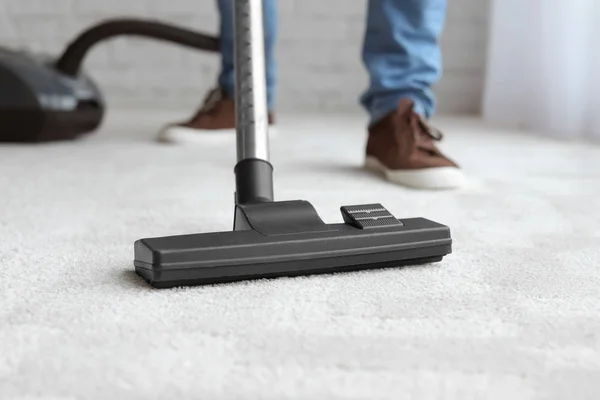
513, 313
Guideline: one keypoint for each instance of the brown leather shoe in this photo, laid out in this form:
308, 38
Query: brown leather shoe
216, 118
402, 147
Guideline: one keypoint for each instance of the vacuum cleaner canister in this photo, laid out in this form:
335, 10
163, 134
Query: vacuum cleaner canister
39, 103
45, 99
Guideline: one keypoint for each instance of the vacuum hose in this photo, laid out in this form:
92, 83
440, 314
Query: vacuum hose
72, 58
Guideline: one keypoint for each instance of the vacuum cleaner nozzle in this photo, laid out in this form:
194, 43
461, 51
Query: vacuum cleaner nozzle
278, 239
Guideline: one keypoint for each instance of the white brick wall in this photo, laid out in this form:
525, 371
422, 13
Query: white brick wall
322, 73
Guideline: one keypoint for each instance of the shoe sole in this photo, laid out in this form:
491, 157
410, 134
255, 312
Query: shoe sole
185, 135
430, 178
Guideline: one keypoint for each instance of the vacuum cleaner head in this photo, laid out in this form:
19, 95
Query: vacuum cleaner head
289, 239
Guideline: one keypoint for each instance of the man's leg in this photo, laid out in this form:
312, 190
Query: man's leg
216, 117
403, 58
402, 54
227, 76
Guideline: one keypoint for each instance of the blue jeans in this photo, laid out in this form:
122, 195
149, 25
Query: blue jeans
400, 51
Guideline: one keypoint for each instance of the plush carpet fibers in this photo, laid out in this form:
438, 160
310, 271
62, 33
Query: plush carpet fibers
513, 313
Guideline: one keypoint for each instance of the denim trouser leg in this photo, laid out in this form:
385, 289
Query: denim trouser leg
227, 75
402, 55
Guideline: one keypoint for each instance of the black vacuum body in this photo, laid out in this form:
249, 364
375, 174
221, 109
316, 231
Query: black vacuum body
286, 238
43, 98
39, 103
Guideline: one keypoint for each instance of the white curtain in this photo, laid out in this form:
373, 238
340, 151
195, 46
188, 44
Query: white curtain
543, 70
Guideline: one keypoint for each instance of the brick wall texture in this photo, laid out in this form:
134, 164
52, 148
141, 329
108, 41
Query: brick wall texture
318, 51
